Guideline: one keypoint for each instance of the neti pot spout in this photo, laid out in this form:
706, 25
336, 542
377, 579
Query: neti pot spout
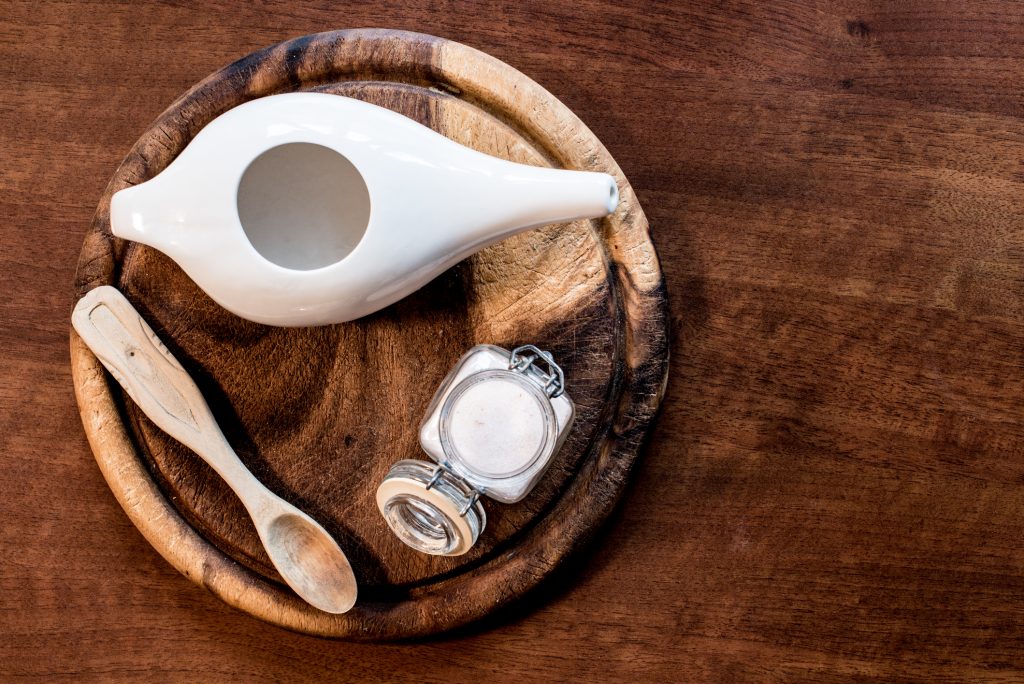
308, 208
503, 198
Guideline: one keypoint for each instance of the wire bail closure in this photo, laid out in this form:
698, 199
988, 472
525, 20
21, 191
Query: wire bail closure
474, 495
525, 359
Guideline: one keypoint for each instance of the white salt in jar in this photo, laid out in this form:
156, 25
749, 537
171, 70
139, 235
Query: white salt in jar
492, 429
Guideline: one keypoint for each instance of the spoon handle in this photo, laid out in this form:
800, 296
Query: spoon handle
126, 345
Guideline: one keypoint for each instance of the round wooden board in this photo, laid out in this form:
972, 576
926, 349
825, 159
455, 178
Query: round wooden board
320, 414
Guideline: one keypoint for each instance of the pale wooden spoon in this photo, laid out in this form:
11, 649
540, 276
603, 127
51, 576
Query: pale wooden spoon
307, 557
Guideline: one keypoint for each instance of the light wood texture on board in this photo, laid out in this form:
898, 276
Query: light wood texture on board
833, 488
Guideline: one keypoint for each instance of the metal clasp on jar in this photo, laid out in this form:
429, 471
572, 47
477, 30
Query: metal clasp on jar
527, 359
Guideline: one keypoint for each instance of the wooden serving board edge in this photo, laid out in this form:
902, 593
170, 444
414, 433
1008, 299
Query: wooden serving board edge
640, 286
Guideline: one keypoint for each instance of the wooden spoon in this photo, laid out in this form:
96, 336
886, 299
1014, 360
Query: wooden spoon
307, 557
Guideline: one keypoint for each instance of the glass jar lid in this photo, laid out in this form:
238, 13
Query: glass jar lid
431, 509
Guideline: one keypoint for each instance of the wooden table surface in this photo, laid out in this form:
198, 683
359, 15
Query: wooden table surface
835, 486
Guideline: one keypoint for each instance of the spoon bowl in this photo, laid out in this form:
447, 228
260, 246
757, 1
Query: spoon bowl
310, 561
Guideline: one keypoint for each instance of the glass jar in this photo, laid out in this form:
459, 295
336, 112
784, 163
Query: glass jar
492, 429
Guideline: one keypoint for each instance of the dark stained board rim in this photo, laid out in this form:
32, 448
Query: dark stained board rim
642, 364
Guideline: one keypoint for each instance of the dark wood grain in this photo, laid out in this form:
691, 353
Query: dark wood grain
835, 486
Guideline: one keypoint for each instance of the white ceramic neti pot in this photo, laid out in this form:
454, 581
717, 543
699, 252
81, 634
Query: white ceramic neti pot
308, 209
